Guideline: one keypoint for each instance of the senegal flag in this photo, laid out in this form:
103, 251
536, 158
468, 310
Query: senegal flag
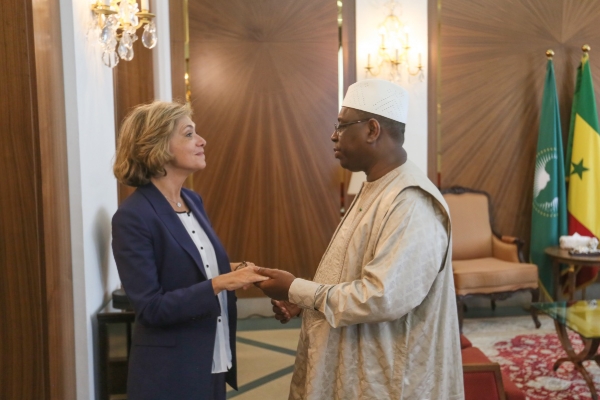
584, 165
549, 211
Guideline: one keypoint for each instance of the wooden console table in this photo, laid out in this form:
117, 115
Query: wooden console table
113, 373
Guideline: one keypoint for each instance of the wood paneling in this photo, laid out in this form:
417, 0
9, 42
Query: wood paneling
134, 85
433, 82
349, 63
177, 27
22, 336
54, 201
264, 92
36, 314
349, 42
491, 81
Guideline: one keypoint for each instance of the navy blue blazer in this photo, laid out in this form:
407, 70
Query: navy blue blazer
175, 306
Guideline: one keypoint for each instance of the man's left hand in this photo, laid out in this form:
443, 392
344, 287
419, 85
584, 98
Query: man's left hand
278, 286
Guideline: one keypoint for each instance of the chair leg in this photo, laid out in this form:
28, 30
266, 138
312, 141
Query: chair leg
460, 307
493, 305
535, 297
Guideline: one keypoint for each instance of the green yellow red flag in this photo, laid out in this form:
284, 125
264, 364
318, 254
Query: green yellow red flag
584, 165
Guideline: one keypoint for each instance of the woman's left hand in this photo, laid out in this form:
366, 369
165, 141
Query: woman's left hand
239, 265
237, 279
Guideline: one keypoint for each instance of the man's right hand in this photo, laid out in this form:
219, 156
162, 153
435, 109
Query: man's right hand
284, 310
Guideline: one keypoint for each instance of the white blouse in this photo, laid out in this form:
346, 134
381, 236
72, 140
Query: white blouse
222, 360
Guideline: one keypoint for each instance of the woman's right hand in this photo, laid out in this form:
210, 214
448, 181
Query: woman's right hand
237, 279
284, 310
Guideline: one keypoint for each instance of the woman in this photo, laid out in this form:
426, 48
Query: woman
171, 263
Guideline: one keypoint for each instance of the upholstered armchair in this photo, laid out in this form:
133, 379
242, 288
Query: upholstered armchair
485, 263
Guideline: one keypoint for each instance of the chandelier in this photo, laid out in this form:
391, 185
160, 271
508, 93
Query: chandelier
115, 24
394, 52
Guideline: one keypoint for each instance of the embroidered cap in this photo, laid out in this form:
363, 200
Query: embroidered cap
379, 97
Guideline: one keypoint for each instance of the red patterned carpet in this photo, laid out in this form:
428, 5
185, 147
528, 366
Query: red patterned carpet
528, 359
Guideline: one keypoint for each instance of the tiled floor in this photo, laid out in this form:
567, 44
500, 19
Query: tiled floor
265, 358
266, 349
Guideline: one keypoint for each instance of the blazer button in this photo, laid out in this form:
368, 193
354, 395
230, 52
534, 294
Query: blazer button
219, 319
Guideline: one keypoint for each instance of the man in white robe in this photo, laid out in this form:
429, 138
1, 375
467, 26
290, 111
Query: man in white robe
379, 319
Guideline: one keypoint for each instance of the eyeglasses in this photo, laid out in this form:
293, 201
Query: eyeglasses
340, 126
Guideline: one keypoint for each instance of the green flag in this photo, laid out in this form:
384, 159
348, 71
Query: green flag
572, 122
549, 213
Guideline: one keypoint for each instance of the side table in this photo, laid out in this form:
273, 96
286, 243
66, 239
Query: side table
561, 256
113, 374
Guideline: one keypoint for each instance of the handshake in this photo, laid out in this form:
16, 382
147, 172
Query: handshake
274, 283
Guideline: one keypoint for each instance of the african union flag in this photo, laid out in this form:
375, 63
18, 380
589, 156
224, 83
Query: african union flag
549, 211
584, 173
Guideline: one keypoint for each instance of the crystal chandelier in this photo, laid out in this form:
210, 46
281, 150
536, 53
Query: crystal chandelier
115, 23
394, 51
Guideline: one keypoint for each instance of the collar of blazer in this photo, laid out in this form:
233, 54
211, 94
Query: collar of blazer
169, 217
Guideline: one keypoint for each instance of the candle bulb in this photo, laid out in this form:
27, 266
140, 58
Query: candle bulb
407, 41
368, 60
382, 41
420, 65
145, 6
396, 55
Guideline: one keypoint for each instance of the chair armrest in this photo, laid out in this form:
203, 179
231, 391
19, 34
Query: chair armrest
479, 381
507, 248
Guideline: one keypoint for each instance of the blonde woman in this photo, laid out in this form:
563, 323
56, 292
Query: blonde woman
171, 263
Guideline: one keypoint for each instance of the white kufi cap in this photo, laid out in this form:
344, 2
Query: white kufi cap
379, 97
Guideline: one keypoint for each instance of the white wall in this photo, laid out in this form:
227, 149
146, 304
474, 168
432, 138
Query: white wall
92, 186
369, 14
161, 54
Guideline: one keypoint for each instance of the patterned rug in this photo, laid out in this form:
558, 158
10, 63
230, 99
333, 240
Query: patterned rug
528, 357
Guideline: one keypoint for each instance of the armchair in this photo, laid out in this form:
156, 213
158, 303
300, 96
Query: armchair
485, 263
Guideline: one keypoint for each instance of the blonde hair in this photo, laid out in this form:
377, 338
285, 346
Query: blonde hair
143, 145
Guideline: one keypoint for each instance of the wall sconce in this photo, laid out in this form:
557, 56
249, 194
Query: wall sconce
115, 23
394, 52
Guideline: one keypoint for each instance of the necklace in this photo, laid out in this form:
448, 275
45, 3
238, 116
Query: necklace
174, 202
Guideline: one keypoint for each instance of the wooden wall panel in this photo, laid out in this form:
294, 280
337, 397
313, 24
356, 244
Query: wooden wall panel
433, 83
54, 201
22, 336
177, 26
134, 85
348, 41
36, 313
490, 87
264, 91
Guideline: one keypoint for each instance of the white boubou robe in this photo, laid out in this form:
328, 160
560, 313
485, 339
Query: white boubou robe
380, 318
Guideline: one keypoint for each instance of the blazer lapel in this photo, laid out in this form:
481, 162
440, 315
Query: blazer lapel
173, 223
